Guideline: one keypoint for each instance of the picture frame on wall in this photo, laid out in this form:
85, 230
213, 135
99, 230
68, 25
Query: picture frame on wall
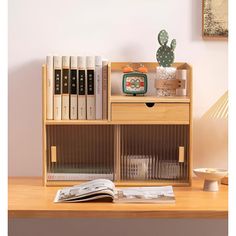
215, 19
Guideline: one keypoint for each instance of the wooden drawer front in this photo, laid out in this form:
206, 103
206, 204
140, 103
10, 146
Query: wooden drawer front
160, 112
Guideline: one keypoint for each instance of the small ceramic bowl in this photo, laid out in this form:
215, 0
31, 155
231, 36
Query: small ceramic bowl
211, 177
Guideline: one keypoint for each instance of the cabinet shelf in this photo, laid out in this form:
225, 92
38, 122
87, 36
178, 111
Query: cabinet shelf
76, 122
107, 122
148, 99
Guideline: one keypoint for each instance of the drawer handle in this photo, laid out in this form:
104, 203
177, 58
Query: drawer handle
150, 104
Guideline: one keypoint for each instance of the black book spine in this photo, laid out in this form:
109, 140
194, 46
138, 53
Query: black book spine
65, 81
73, 81
90, 83
82, 81
57, 76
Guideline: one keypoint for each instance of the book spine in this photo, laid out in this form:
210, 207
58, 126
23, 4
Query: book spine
57, 87
65, 87
91, 109
73, 88
98, 87
81, 88
49, 88
105, 89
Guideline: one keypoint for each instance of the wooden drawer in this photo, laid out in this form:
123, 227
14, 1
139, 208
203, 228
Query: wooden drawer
169, 113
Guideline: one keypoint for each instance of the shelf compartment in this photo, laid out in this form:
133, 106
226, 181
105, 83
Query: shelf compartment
80, 152
152, 152
116, 75
162, 112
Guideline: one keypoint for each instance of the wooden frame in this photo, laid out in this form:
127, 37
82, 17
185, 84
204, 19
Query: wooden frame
115, 99
212, 36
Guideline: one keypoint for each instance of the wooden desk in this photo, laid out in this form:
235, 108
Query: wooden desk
28, 198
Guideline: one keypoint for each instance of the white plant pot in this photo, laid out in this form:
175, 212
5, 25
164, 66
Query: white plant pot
165, 73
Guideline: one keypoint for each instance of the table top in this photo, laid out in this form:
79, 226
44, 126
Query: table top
28, 198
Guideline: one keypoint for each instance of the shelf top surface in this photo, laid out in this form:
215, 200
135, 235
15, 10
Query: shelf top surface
125, 99
27, 197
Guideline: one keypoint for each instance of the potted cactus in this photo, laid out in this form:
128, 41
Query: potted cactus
165, 58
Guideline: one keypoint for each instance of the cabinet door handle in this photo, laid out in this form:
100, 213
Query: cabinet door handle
181, 154
53, 154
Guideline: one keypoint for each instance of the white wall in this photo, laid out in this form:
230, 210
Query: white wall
121, 31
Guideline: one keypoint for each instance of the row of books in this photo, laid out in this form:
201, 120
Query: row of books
76, 88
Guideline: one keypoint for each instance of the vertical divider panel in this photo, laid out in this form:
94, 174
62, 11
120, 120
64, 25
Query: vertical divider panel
117, 152
109, 92
44, 132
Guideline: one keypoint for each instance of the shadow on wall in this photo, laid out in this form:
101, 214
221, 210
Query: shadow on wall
25, 117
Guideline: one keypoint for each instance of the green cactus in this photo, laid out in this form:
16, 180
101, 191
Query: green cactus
165, 54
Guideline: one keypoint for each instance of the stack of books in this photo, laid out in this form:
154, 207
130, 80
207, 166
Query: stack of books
76, 88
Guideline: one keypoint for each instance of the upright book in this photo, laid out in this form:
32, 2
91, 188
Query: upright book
98, 87
91, 109
81, 88
65, 87
104, 89
57, 87
49, 88
73, 88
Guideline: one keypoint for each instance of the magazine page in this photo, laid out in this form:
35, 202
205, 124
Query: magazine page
145, 195
89, 189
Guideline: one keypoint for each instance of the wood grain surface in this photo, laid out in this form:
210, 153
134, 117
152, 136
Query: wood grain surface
28, 198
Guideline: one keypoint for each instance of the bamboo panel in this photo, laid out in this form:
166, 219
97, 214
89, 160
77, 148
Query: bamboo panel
82, 152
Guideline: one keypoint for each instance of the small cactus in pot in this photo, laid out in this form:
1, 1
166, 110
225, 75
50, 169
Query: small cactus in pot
165, 57
165, 54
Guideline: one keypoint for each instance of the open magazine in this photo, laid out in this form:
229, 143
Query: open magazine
104, 190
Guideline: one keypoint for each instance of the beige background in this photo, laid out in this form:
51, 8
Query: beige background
120, 31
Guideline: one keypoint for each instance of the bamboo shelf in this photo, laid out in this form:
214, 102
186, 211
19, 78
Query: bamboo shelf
157, 139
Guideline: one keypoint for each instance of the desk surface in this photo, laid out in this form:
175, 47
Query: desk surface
28, 198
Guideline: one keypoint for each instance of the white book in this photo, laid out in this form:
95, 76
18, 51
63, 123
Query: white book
73, 88
65, 87
57, 64
105, 89
49, 88
82, 88
98, 87
91, 104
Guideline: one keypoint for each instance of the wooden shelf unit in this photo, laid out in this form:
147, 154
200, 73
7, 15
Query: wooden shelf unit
172, 115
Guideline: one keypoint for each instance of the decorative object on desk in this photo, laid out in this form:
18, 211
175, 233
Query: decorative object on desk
134, 81
215, 19
165, 73
217, 117
225, 180
211, 177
